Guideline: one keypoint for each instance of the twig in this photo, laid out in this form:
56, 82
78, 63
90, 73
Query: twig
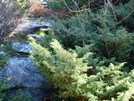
125, 17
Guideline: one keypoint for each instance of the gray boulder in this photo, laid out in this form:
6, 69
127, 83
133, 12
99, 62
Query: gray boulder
22, 48
2, 53
23, 75
29, 27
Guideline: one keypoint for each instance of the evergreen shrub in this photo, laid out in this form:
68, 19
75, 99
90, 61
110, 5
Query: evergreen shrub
125, 14
112, 43
92, 68
67, 71
62, 68
116, 44
75, 30
111, 46
44, 41
58, 5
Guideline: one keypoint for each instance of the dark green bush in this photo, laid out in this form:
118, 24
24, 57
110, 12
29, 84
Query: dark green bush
125, 15
116, 45
5, 47
19, 96
75, 30
3, 90
3, 60
111, 41
62, 4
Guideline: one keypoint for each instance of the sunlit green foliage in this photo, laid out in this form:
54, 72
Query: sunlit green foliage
21, 3
69, 72
40, 32
94, 64
62, 71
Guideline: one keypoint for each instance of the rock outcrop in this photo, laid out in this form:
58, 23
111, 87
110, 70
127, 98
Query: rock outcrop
21, 47
23, 75
29, 27
2, 53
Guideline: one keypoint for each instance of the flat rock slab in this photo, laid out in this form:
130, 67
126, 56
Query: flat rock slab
29, 27
22, 48
22, 73
25, 77
2, 53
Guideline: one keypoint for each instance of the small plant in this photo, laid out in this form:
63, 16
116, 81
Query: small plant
3, 91
19, 96
5, 47
3, 60
40, 33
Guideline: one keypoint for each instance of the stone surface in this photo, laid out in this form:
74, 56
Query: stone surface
29, 27
2, 53
23, 75
45, 29
23, 48
35, 36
